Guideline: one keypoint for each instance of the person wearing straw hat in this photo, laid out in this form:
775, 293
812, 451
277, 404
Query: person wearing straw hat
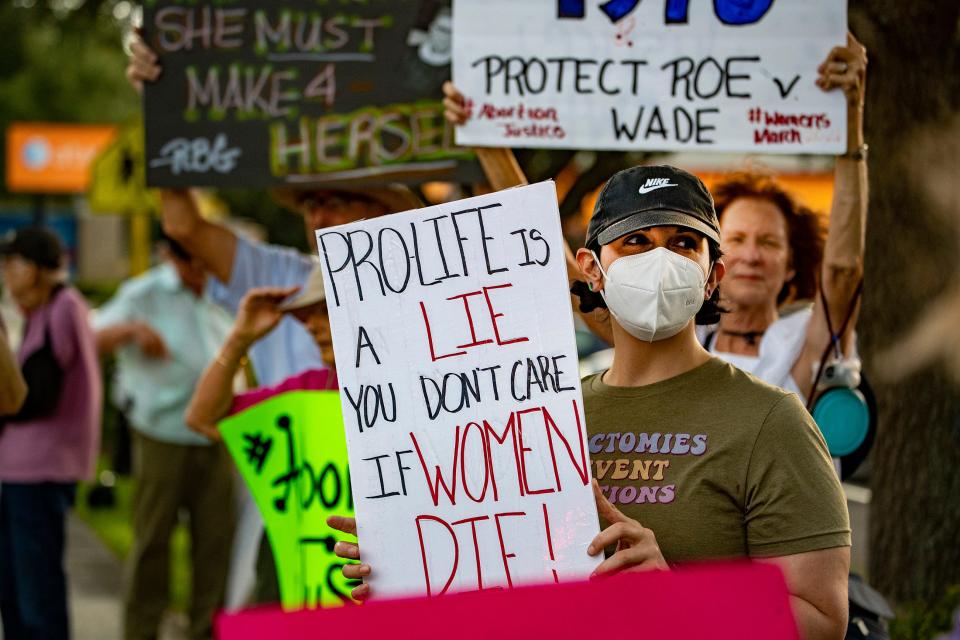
239, 265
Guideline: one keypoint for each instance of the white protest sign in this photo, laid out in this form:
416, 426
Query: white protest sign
668, 75
454, 341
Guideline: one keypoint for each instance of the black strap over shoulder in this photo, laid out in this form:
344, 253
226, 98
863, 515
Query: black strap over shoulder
44, 376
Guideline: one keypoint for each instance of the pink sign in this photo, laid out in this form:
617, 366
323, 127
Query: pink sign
720, 601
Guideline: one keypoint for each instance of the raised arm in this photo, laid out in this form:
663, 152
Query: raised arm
212, 244
842, 270
503, 171
258, 315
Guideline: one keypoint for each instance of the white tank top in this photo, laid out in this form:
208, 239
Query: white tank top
780, 347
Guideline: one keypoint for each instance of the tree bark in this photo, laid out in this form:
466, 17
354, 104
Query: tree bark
911, 260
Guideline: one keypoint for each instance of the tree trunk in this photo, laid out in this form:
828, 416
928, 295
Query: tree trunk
911, 261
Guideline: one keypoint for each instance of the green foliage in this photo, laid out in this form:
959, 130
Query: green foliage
59, 65
924, 621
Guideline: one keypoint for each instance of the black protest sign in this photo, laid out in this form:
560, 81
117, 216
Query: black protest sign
257, 93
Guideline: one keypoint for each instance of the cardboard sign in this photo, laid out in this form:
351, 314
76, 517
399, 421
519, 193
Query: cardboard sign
461, 399
669, 75
292, 454
257, 93
718, 602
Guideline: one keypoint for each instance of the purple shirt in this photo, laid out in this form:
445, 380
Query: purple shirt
61, 447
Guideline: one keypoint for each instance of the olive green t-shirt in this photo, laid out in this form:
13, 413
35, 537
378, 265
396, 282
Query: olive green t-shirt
717, 463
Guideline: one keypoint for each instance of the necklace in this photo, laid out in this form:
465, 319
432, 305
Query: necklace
749, 336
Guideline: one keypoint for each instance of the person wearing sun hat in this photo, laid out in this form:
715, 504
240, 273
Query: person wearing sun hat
261, 310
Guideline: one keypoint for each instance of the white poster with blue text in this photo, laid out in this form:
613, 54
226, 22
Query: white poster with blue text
457, 366
653, 75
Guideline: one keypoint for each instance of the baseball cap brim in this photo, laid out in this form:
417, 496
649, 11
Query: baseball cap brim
311, 293
648, 219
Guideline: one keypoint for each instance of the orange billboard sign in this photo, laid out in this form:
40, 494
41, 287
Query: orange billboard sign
53, 158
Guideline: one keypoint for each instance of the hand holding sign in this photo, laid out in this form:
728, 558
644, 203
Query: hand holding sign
637, 548
143, 65
846, 68
350, 551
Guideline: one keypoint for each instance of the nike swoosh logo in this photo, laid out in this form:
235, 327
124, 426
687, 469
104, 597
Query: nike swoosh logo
646, 189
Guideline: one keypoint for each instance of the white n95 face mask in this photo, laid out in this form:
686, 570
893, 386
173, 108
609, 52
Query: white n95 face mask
654, 294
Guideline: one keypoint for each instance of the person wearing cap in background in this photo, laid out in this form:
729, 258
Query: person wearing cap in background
693, 458
261, 310
51, 443
164, 330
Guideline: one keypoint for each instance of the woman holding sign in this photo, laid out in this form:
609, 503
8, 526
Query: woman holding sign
772, 249
261, 310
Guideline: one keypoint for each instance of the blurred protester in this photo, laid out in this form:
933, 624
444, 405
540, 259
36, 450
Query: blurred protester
164, 330
261, 310
51, 443
774, 253
13, 390
239, 265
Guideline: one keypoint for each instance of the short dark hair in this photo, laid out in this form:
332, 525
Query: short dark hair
709, 313
805, 234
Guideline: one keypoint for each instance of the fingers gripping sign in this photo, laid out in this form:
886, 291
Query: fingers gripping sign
846, 68
350, 551
636, 546
143, 65
457, 109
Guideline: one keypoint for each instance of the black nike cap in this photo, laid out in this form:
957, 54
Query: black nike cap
652, 196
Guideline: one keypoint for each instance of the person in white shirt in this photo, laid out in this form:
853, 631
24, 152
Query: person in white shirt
164, 328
